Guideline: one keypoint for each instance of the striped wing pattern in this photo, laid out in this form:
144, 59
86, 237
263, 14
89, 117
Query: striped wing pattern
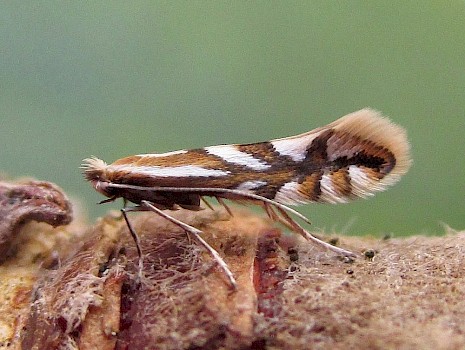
355, 156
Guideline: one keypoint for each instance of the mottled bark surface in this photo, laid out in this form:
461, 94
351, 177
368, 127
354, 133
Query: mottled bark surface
399, 294
28, 201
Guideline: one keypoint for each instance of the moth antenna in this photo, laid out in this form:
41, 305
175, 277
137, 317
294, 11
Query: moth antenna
352, 157
227, 193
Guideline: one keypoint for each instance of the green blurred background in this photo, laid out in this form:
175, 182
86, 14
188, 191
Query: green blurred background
117, 78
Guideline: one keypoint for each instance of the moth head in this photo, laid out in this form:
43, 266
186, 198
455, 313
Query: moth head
94, 170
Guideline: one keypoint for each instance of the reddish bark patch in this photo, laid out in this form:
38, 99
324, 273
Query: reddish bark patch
270, 270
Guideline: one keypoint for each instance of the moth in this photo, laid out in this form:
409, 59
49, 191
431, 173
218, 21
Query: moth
352, 157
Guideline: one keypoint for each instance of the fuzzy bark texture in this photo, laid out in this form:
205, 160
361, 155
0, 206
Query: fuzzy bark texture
79, 288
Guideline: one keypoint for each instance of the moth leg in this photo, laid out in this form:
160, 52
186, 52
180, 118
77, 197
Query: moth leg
287, 220
221, 202
135, 237
195, 233
270, 211
207, 203
225, 206
218, 193
270, 206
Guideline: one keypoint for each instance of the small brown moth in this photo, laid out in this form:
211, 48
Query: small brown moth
353, 157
